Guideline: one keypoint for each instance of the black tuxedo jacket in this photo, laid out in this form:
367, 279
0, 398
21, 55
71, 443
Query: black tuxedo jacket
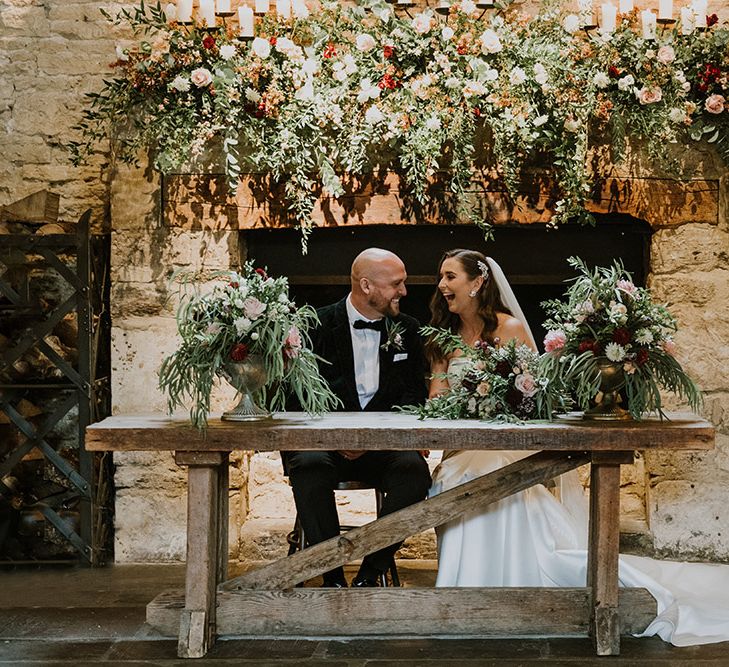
402, 372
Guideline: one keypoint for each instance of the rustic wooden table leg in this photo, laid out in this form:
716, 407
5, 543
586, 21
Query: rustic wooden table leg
602, 554
207, 531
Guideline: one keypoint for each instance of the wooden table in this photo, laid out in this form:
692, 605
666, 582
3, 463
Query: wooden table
265, 602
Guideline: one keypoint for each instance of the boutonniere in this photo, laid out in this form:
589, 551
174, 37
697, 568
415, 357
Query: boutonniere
394, 340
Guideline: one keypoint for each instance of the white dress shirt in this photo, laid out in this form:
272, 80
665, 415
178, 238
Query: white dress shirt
366, 352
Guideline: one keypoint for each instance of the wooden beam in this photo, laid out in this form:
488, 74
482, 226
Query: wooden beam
41, 206
487, 612
358, 542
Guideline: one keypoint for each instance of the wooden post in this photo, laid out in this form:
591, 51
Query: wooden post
602, 556
207, 539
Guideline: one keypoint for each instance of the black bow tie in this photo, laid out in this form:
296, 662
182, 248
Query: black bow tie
377, 325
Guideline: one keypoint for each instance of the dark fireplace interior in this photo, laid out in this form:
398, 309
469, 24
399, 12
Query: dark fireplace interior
533, 257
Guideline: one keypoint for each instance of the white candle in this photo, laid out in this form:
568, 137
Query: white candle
688, 20
262, 6
648, 19
222, 6
700, 11
299, 9
245, 19
171, 12
283, 8
184, 11
665, 9
206, 13
404, 2
626, 6
609, 16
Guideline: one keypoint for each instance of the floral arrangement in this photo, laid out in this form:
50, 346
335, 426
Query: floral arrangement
351, 90
492, 383
606, 316
245, 313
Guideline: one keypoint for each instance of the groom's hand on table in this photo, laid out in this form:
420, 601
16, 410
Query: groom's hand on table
350, 454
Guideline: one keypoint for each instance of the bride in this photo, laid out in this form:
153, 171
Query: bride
531, 538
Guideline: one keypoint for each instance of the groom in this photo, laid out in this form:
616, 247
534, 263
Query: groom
376, 361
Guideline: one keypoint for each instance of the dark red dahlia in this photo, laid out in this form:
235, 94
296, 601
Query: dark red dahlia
234, 285
641, 357
514, 398
329, 51
387, 82
387, 51
262, 273
712, 20
239, 352
589, 345
503, 368
614, 72
621, 336
209, 42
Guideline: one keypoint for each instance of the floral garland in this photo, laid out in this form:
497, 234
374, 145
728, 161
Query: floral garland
358, 89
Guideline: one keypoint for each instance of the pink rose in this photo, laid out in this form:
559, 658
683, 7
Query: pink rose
253, 308
715, 104
525, 384
293, 343
649, 95
669, 347
666, 54
554, 340
201, 77
627, 287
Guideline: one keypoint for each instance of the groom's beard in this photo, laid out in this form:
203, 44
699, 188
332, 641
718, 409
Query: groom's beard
385, 306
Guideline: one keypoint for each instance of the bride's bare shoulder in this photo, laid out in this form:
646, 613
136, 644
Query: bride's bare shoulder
509, 327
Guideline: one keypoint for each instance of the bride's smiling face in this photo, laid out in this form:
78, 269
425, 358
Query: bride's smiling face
456, 285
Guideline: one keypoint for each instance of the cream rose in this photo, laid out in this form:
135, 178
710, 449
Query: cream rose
649, 95
715, 104
422, 23
261, 47
365, 42
490, 42
201, 77
666, 54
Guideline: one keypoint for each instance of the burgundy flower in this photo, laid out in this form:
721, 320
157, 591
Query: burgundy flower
209, 42
589, 345
330, 51
272, 40
514, 397
621, 336
262, 273
503, 368
641, 357
614, 72
234, 285
712, 20
239, 352
387, 51
388, 82
477, 112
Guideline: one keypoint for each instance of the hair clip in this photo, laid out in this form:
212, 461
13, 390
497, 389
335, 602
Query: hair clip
483, 267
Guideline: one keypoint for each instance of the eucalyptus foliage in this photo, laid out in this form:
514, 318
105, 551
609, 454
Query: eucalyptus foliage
606, 316
357, 89
244, 314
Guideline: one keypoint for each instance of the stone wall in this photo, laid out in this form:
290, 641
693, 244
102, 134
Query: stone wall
51, 52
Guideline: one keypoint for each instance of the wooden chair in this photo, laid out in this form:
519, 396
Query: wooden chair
297, 539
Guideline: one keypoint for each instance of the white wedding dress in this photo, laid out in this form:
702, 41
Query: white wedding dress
532, 539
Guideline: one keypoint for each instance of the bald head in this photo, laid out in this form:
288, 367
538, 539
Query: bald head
378, 281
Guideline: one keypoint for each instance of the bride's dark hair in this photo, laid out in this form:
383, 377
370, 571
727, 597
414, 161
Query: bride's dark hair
488, 298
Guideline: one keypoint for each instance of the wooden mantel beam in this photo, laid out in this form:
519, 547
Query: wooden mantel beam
202, 201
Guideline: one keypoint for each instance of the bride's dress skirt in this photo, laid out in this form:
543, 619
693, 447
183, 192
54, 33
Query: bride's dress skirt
533, 539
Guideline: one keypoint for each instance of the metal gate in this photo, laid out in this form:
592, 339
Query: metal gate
55, 497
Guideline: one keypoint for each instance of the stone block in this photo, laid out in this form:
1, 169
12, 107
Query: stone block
156, 471
26, 20
689, 248
263, 539
690, 520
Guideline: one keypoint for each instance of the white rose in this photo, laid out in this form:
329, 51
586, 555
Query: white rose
572, 124
626, 82
517, 76
350, 64
365, 42
422, 23
571, 23
540, 120
261, 47
242, 324
676, 115
433, 123
666, 54
180, 83
452, 82
447, 33
468, 7
601, 80
373, 115
540, 74
490, 74
201, 77
121, 54
367, 91
227, 51
253, 308
490, 42
306, 92
686, 86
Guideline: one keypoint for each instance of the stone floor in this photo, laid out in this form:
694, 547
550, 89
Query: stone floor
80, 616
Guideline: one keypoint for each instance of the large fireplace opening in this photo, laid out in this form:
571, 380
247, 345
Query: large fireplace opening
533, 257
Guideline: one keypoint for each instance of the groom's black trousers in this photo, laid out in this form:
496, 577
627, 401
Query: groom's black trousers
403, 478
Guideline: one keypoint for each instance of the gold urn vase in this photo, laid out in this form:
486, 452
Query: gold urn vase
248, 377
612, 380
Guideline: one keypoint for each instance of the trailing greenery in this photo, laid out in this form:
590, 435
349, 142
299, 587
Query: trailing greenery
605, 316
359, 89
244, 314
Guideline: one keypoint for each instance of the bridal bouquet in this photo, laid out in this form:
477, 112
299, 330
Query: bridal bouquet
607, 318
491, 383
245, 314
